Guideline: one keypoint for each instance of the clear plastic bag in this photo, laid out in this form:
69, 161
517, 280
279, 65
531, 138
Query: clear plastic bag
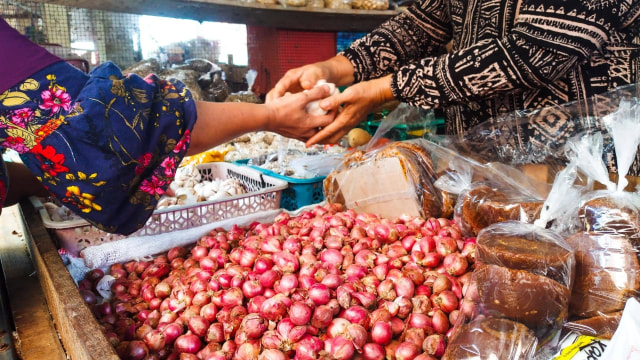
521, 264
400, 178
600, 326
404, 118
485, 204
524, 273
607, 248
624, 344
491, 338
607, 273
390, 181
484, 192
492, 193
511, 139
315, 165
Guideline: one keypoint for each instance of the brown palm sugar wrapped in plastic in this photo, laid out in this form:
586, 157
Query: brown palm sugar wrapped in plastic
606, 214
390, 181
484, 205
613, 210
600, 326
520, 264
490, 194
607, 273
524, 272
607, 248
491, 338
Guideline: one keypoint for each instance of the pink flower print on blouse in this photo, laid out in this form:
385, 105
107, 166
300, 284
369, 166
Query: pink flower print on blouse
15, 143
21, 117
153, 187
169, 165
182, 144
55, 100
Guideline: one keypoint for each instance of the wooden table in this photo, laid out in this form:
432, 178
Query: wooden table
51, 319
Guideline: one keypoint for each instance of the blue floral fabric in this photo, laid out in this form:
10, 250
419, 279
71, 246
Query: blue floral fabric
105, 145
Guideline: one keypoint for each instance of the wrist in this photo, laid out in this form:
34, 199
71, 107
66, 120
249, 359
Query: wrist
383, 85
269, 119
340, 70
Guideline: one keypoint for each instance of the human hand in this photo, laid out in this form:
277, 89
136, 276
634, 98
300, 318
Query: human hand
337, 70
358, 101
290, 118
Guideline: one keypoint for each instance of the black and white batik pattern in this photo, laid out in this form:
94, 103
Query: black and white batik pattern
507, 55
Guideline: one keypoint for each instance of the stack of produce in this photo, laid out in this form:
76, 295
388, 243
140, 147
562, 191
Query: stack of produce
607, 244
324, 284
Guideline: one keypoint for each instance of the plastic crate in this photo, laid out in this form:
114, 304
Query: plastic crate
273, 51
407, 132
263, 193
299, 193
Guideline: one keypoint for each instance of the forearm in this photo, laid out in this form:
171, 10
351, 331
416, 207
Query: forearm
221, 122
542, 48
22, 184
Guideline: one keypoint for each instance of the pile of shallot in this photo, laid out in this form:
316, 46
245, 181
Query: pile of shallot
326, 284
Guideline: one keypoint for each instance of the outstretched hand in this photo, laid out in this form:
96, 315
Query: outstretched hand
290, 118
337, 70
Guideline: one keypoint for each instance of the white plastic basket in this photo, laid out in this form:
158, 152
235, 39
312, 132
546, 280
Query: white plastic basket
263, 193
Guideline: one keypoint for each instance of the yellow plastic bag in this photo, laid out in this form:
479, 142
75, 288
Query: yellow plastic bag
211, 155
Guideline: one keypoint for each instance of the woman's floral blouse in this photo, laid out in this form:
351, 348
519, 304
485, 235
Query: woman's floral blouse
105, 145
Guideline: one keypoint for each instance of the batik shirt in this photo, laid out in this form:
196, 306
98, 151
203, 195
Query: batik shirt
104, 144
507, 55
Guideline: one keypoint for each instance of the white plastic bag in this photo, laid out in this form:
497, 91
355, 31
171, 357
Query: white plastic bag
625, 343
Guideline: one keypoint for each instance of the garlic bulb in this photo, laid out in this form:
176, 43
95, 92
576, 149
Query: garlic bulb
313, 107
189, 188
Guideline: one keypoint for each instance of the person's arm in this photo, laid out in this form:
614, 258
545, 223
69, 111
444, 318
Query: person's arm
541, 48
19, 57
220, 122
22, 184
544, 44
423, 29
